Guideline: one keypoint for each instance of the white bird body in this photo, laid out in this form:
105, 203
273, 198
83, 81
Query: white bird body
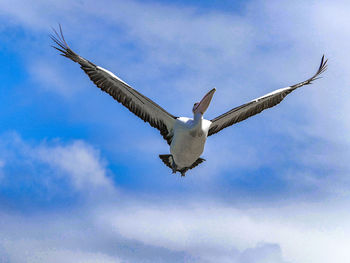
185, 136
189, 140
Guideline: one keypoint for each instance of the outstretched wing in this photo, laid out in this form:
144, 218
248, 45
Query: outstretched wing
258, 105
137, 103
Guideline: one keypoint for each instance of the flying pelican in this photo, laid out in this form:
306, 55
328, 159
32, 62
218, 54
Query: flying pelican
186, 136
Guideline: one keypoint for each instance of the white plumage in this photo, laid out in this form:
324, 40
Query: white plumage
189, 139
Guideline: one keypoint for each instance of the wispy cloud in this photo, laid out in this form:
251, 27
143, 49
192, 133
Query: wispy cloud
52, 167
51, 78
80, 161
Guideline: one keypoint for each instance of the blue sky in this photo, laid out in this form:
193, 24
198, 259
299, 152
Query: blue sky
78, 185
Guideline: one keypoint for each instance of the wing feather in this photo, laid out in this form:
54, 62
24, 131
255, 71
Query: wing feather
133, 100
258, 105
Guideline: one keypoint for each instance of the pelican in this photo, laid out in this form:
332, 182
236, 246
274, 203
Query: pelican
186, 136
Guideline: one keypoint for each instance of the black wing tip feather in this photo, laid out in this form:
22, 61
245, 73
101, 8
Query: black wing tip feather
59, 40
321, 69
61, 44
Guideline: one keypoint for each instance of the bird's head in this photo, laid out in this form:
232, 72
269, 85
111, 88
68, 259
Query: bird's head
202, 106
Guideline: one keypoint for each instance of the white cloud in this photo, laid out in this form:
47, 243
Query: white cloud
79, 160
31, 14
71, 237
148, 231
79, 236
47, 239
49, 162
32, 251
214, 232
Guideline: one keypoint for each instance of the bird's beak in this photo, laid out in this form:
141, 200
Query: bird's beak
204, 103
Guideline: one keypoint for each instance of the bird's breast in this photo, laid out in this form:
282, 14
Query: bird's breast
188, 142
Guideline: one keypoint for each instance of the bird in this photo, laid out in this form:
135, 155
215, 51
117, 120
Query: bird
185, 136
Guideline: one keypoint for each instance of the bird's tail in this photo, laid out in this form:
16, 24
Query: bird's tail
169, 161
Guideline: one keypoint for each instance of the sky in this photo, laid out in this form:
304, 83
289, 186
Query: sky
79, 185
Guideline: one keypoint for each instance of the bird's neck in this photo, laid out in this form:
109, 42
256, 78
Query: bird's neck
197, 120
